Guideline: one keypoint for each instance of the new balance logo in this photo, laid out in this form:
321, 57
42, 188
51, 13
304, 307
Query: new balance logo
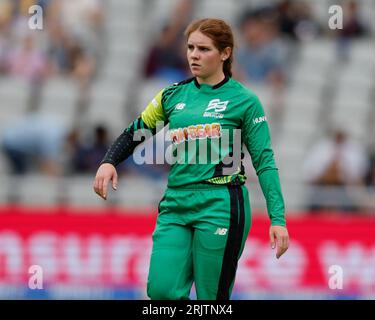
221, 231
180, 106
214, 108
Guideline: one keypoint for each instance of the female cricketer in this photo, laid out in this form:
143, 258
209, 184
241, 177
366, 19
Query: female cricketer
204, 217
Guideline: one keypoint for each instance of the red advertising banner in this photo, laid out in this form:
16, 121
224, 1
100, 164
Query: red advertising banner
105, 253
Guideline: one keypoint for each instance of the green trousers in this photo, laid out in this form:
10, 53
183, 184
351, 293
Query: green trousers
199, 236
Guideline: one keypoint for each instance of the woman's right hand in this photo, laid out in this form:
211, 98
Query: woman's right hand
106, 172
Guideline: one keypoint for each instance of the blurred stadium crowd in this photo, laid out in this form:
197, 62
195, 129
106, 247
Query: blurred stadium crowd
68, 90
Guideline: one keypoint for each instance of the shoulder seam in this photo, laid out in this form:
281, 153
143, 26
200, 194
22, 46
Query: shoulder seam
169, 90
184, 81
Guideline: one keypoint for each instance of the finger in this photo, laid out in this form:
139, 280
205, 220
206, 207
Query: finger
279, 247
280, 252
280, 243
100, 187
97, 187
272, 239
286, 242
114, 181
282, 248
105, 188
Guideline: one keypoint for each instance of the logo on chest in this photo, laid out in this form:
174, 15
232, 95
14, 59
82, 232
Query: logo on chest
215, 108
199, 131
180, 106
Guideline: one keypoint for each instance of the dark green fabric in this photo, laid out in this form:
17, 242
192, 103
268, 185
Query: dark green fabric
190, 241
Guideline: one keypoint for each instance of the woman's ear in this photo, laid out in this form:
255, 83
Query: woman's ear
226, 53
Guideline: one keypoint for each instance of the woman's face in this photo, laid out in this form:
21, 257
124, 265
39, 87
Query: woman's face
205, 60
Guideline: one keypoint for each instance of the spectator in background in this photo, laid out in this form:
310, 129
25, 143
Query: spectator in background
288, 19
82, 19
70, 45
86, 157
82, 66
335, 162
370, 175
43, 3
34, 142
5, 22
364, 195
27, 61
6, 10
83, 155
76, 42
354, 27
166, 59
58, 49
296, 20
68, 57
20, 18
262, 57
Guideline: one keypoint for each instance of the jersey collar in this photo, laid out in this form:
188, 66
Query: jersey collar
216, 86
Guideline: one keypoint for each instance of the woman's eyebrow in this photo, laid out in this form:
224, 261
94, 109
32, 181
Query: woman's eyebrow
198, 44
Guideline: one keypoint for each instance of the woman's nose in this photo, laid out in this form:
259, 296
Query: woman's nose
194, 54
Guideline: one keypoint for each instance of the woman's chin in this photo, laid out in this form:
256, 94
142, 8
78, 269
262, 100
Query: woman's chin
195, 73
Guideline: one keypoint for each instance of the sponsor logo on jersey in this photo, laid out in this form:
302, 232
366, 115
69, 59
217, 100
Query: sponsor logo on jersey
214, 108
221, 231
199, 131
259, 119
180, 106
155, 103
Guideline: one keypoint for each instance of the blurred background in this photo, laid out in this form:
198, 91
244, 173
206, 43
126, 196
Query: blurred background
68, 90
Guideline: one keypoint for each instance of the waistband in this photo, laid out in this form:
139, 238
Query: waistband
208, 186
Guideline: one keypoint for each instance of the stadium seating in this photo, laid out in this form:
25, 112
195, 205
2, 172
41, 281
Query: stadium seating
321, 92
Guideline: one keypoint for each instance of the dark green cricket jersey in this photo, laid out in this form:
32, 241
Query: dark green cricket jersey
198, 112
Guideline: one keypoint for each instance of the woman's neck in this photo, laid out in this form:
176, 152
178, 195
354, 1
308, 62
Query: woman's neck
212, 80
